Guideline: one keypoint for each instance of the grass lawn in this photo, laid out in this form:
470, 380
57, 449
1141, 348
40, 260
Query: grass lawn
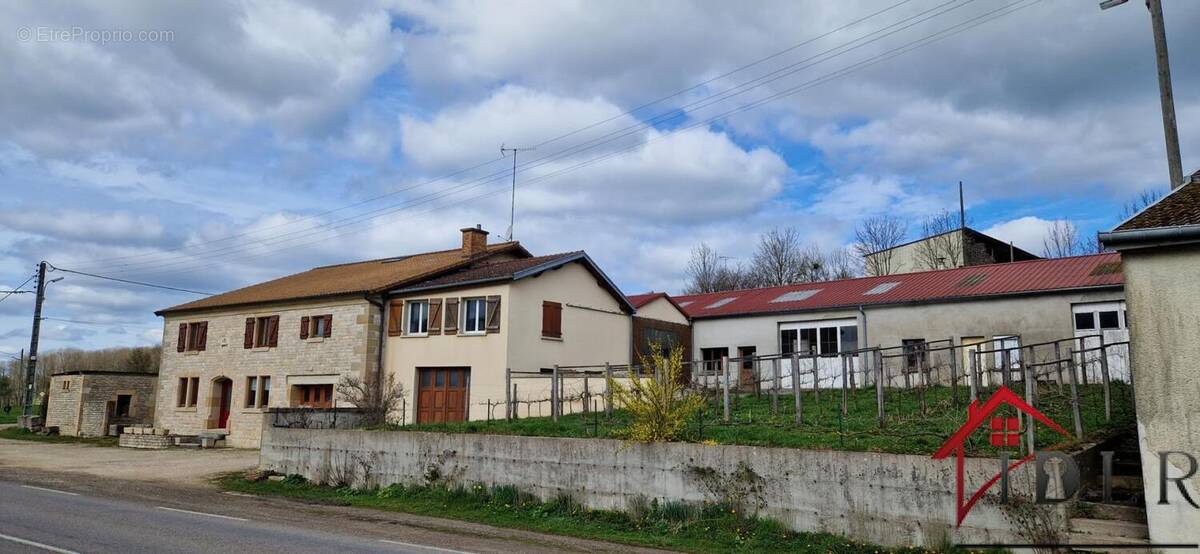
23, 435
906, 430
13, 416
676, 526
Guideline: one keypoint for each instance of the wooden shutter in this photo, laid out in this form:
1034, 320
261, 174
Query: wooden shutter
273, 331
181, 343
395, 317
551, 319
202, 339
328, 325
248, 338
435, 316
493, 314
303, 327
451, 325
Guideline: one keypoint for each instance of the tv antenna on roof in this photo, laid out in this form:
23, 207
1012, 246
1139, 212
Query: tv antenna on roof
512, 209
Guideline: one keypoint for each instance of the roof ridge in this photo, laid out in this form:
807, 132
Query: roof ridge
899, 275
407, 256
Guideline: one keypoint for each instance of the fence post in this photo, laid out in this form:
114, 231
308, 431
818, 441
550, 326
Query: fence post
1075, 400
757, 377
507, 393
554, 407
922, 377
1006, 367
725, 386
1058, 364
973, 378
1030, 398
844, 376
775, 388
587, 395
1083, 359
879, 385
1027, 361
516, 402
1104, 378
797, 395
816, 379
608, 383
953, 353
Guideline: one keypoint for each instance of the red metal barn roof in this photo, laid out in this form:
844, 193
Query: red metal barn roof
1099, 270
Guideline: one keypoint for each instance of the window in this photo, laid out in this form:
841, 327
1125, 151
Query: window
192, 337
808, 342
1085, 321
251, 392
123, 402
474, 312
552, 320
745, 353
258, 390
829, 341
712, 357
187, 392
313, 396
316, 326
1109, 320
261, 332
418, 317
787, 341
848, 335
66, 384
914, 354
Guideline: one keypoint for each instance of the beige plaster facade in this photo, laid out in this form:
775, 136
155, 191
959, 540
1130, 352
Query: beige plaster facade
663, 310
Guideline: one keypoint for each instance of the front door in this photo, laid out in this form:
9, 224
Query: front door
226, 401
442, 394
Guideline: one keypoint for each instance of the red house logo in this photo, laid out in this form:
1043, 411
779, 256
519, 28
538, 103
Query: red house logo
1004, 432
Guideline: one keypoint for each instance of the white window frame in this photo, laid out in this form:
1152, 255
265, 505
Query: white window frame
817, 325
480, 316
422, 305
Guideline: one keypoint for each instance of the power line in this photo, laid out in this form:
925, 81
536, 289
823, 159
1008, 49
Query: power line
127, 281
912, 45
17, 289
545, 142
106, 323
538, 162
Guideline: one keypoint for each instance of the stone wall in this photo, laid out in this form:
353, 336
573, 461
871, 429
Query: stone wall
84, 407
882, 498
350, 350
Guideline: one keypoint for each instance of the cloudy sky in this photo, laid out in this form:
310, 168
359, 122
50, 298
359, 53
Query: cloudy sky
208, 145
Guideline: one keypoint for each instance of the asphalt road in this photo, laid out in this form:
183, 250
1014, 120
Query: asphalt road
39, 520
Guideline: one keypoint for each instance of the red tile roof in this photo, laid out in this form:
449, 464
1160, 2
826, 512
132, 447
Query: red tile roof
639, 300
1180, 207
1100, 270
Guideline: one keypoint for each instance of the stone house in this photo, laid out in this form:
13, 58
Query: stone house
982, 307
85, 403
1160, 248
287, 342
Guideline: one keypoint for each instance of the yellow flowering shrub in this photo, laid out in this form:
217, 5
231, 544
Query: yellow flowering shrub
660, 405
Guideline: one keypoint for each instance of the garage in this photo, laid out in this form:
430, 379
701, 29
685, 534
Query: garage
442, 394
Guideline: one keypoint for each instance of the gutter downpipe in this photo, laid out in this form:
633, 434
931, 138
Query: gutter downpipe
1143, 238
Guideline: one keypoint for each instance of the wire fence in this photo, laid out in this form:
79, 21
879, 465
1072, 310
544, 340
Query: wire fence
894, 386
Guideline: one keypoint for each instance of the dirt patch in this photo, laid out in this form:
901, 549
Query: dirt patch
173, 465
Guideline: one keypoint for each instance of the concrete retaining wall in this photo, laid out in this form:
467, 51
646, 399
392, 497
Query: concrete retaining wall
882, 498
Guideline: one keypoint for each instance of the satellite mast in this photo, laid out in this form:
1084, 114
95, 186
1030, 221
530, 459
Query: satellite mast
512, 208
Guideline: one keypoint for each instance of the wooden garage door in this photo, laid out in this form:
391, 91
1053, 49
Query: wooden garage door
442, 394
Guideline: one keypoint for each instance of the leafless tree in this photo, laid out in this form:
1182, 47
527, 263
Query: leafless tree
840, 263
708, 271
780, 259
377, 400
1061, 240
1139, 203
941, 247
874, 238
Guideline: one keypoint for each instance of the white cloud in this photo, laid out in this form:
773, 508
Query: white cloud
1026, 232
113, 227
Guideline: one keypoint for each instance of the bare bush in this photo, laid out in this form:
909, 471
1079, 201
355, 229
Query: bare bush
377, 400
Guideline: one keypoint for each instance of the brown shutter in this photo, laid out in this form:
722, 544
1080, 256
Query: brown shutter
202, 341
435, 316
303, 327
492, 323
451, 325
248, 338
395, 313
181, 343
273, 331
551, 319
328, 325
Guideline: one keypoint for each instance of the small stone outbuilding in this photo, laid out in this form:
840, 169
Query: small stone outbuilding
85, 403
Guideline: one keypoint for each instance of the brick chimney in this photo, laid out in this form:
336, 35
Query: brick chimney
474, 241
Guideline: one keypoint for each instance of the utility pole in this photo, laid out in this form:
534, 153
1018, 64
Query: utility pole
1166, 97
512, 209
31, 364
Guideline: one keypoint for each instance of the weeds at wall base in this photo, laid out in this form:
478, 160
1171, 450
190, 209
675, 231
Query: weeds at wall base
707, 527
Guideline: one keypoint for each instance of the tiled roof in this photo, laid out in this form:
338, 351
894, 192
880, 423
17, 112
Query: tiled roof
639, 300
352, 278
1100, 270
487, 271
1180, 207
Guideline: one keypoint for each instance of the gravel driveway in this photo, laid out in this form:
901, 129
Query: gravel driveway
174, 465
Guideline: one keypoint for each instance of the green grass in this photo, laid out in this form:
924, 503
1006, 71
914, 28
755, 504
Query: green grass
676, 526
24, 435
906, 429
15, 415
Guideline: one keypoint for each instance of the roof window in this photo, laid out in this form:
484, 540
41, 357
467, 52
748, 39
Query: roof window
721, 302
796, 295
882, 287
